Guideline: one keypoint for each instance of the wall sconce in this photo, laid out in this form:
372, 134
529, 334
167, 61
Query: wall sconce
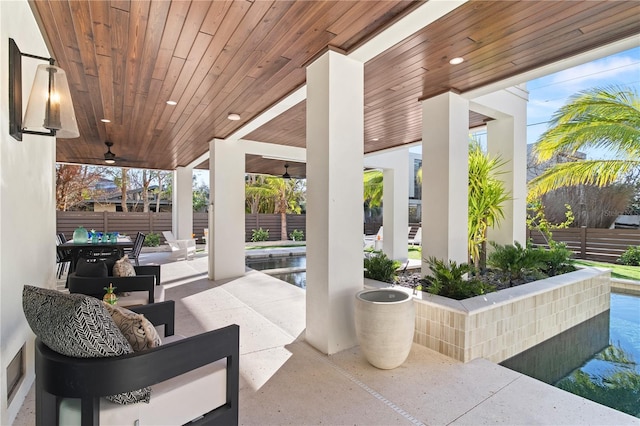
49, 110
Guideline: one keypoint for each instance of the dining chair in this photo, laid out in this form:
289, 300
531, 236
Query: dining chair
134, 253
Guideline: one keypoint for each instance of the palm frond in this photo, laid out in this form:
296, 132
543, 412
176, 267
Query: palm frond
589, 172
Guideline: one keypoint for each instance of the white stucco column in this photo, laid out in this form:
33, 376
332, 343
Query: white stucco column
226, 209
335, 129
182, 204
395, 199
445, 151
507, 137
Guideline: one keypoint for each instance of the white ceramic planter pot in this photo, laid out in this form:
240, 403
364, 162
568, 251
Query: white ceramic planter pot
385, 322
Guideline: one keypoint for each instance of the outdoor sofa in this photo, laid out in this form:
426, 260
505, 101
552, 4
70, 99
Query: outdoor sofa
140, 289
82, 356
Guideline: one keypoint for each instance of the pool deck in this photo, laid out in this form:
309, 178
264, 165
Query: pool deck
284, 380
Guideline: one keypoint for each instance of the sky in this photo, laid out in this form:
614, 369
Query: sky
547, 94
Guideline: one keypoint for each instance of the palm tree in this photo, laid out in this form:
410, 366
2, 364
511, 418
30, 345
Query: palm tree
606, 118
373, 188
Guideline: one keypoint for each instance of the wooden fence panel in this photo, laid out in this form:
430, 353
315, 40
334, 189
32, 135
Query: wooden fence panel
297, 221
603, 245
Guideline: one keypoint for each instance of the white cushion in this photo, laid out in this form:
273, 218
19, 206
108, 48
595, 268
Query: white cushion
173, 402
135, 298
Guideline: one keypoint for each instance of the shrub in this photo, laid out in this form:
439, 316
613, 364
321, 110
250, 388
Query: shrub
152, 240
259, 235
296, 235
631, 256
448, 280
516, 261
557, 260
379, 267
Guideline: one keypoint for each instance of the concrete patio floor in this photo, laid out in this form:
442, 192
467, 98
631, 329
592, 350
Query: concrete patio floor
286, 381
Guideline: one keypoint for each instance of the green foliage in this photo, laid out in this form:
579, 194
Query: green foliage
606, 118
631, 256
536, 219
259, 235
296, 235
373, 188
379, 267
152, 240
448, 280
516, 261
487, 194
557, 260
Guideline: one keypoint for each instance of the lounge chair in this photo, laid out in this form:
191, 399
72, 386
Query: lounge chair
417, 239
180, 248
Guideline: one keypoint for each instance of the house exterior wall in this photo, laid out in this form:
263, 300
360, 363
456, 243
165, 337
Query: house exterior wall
27, 207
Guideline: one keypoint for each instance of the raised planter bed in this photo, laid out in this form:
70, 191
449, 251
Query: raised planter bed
499, 325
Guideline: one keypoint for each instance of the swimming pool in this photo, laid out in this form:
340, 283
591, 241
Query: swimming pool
291, 269
597, 359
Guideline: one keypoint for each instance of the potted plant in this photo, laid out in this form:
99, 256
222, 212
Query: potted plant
385, 318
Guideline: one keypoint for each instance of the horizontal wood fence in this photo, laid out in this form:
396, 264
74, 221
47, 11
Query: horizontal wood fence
603, 245
132, 222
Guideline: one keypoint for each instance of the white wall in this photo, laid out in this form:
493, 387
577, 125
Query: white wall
27, 205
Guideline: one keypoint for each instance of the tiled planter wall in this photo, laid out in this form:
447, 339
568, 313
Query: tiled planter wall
499, 325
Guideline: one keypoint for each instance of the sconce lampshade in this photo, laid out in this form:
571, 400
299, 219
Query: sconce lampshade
50, 106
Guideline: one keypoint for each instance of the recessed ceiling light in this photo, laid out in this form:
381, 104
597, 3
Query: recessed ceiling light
233, 116
375, 139
172, 103
456, 61
105, 120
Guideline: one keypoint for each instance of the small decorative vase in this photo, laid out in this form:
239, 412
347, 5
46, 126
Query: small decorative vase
80, 235
110, 297
385, 322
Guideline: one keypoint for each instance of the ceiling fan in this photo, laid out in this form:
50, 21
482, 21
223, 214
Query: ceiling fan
286, 174
109, 157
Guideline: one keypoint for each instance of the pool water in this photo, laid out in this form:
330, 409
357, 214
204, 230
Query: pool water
598, 359
266, 263
272, 266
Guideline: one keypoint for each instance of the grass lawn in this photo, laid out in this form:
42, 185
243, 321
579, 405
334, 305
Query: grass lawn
617, 271
415, 252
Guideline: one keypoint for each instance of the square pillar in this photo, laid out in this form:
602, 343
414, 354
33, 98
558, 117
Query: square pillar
445, 178
226, 209
507, 137
182, 203
396, 206
335, 129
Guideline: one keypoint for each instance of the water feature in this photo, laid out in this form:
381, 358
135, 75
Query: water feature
598, 359
291, 269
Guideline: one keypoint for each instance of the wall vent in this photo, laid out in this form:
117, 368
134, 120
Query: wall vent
15, 374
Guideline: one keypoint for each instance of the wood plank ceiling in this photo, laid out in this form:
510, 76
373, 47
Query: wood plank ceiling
125, 59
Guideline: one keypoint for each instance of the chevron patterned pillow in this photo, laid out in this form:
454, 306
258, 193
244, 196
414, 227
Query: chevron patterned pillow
78, 326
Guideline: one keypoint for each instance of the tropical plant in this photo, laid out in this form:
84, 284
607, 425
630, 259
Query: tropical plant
296, 235
373, 188
379, 267
448, 279
516, 261
487, 194
259, 235
557, 260
631, 256
152, 240
607, 118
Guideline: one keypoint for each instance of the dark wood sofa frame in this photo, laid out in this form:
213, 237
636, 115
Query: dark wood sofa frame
146, 278
59, 376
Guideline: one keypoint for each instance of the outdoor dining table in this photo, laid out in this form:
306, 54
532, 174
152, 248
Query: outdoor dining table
92, 249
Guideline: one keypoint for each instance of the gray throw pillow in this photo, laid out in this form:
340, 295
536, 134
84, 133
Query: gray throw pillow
79, 326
